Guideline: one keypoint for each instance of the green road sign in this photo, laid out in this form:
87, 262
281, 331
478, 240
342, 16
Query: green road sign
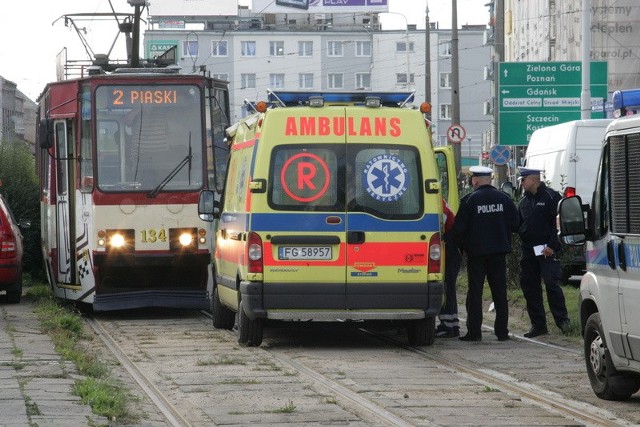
532, 95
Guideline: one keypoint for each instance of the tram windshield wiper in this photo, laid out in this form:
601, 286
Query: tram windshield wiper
174, 172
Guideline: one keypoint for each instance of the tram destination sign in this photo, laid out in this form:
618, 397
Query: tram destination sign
532, 95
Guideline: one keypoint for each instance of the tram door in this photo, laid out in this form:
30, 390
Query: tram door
65, 227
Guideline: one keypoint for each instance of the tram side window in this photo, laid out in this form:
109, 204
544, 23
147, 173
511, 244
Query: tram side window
86, 154
108, 144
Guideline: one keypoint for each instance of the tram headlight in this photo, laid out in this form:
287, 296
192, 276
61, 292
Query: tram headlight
119, 240
183, 239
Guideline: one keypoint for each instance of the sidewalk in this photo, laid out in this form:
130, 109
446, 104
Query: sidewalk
35, 383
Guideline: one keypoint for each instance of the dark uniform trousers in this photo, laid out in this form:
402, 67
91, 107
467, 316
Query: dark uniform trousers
449, 312
531, 269
493, 267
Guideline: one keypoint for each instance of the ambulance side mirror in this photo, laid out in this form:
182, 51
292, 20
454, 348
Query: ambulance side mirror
208, 206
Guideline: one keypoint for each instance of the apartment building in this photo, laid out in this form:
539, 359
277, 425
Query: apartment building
328, 52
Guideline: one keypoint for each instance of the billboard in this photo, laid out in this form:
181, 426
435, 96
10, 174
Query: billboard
320, 6
193, 8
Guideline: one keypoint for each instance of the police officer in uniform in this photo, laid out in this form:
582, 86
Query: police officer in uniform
540, 246
482, 229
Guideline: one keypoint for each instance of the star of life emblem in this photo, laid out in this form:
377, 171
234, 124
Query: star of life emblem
385, 178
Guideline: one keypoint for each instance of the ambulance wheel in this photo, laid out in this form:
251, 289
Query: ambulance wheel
223, 318
607, 383
422, 332
249, 330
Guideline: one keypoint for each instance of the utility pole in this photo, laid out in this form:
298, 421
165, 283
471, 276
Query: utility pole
585, 94
498, 56
427, 58
455, 83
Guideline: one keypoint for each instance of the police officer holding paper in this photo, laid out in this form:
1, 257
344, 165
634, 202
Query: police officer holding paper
540, 245
482, 229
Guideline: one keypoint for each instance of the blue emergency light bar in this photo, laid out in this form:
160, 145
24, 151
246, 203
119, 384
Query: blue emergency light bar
626, 100
388, 99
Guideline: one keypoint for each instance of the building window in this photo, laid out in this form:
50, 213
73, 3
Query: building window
334, 81
445, 112
305, 48
247, 81
363, 48
248, 48
276, 81
401, 78
363, 81
305, 80
402, 46
445, 80
190, 48
276, 48
219, 48
334, 48
444, 48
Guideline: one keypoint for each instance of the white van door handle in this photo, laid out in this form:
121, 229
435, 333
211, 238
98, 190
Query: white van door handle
621, 256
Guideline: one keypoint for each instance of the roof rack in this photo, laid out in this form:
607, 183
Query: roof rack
303, 98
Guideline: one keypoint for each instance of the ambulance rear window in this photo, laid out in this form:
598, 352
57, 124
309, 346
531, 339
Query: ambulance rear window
305, 177
382, 180
386, 182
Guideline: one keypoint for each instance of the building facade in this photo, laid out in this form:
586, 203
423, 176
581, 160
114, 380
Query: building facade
18, 119
336, 52
551, 30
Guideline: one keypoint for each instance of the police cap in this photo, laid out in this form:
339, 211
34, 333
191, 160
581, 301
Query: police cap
527, 172
480, 171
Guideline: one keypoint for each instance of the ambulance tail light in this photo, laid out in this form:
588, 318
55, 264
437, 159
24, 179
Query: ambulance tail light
435, 253
254, 253
569, 191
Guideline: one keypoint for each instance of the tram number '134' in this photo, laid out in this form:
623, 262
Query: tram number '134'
151, 235
136, 96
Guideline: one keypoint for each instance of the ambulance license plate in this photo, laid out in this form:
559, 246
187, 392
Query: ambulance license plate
304, 252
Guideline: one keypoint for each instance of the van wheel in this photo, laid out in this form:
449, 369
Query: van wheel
605, 380
422, 332
249, 330
13, 296
223, 318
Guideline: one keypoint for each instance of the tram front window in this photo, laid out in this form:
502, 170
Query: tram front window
143, 134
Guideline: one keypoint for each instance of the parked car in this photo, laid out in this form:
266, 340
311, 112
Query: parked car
10, 253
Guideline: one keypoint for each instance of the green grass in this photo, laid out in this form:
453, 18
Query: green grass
64, 324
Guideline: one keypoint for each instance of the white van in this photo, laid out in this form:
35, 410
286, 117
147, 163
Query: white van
568, 155
610, 227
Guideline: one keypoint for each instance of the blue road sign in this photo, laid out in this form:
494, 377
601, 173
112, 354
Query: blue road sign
500, 155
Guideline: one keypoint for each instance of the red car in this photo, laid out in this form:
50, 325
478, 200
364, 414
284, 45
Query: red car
10, 253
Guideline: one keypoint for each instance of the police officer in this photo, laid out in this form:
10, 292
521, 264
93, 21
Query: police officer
482, 229
540, 246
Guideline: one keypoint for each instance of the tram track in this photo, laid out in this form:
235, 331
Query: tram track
160, 401
543, 398
390, 393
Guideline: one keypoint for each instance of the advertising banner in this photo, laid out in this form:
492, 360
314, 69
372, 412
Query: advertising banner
320, 6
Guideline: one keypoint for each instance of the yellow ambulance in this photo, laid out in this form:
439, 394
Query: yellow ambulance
332, 211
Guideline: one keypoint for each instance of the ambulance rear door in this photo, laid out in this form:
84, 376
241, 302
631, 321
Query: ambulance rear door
388, 228
303, 227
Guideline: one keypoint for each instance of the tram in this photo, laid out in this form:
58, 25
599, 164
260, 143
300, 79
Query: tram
123, 156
